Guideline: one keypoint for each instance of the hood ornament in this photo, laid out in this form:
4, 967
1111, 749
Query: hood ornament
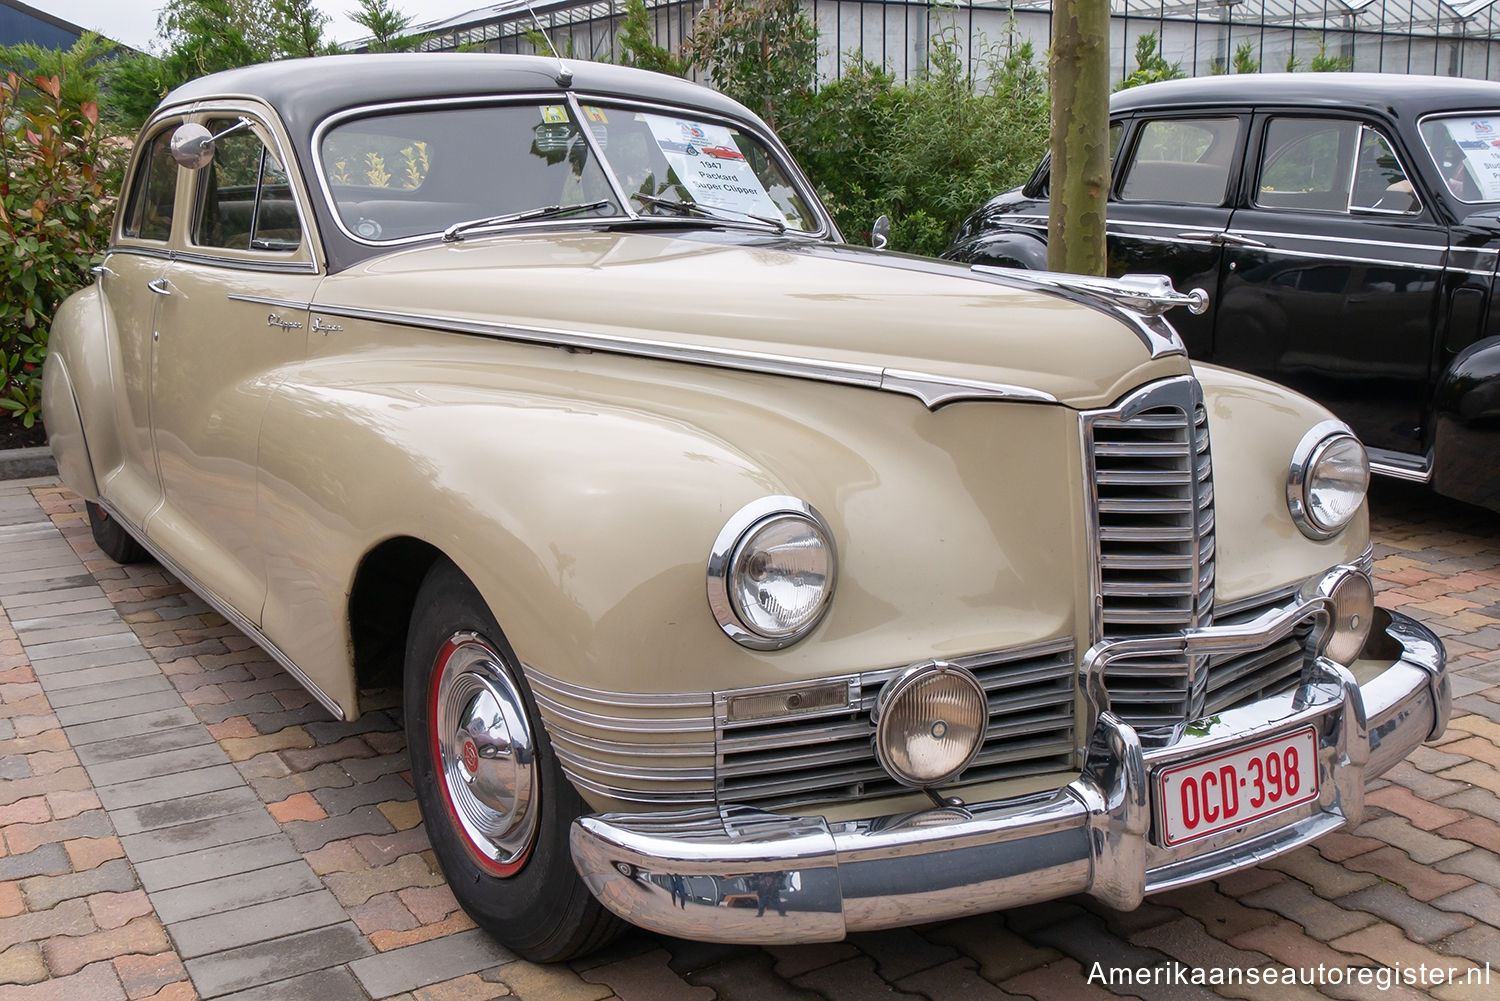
1149, 295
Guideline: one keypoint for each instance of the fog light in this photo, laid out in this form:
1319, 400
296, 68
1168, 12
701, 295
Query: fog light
929, 724
1353, 599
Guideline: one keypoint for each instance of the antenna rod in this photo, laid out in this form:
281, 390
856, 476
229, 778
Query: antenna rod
564, 75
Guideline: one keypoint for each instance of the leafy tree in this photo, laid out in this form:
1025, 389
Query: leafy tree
762, 53
1150, 64
298, 29
638, 44
81, 68
386, 25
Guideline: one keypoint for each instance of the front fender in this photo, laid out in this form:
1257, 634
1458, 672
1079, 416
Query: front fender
1466, 426
1002, 248
76, 332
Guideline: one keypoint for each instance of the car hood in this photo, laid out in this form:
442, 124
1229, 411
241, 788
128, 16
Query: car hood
729, 293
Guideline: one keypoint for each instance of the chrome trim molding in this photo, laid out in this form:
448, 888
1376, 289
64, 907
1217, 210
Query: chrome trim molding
1400, 465
225, 609
934, 391
261, 300
688, 873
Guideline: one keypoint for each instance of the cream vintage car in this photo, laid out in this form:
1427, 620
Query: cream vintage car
745, 585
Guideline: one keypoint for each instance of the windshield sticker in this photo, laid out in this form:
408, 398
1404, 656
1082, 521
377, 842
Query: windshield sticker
707, 163
595, 114
1479, 140
554, 114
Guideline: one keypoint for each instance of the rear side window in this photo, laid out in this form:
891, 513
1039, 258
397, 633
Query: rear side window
1182, 161
149, 214
1331, 165
244, 200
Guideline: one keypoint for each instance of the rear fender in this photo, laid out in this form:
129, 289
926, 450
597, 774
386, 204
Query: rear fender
1466, 426
1006, 249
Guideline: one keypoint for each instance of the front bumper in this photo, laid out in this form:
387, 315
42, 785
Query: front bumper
738, 875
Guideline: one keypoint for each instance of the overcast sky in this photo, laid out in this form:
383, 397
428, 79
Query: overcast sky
134, 21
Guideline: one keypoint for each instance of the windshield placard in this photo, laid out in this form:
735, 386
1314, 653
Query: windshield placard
710, 166
1478, 139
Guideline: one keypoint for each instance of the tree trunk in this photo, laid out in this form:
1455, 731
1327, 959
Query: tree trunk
1080, 136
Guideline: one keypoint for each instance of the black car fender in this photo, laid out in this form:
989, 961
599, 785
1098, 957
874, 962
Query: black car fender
1003, 248
1466, 422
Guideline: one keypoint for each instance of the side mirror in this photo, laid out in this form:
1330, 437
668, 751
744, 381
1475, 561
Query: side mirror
193, 145
880, 233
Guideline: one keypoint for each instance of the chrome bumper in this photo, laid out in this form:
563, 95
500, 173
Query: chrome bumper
740, 875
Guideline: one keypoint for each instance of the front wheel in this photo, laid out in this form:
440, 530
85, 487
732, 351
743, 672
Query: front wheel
112, 539
494, 799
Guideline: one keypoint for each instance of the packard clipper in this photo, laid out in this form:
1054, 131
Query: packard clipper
743, 584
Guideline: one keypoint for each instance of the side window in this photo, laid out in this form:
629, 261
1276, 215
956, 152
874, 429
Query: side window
244, 197
1380, 185
1305, 164
149, 214
1043, 185
1182, 161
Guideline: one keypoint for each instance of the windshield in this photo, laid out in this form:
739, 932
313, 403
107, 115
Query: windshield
400, 174
1466, 150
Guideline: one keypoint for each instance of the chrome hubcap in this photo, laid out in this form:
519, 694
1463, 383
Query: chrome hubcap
486, 751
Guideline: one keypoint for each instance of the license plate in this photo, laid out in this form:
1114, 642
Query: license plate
1214, 794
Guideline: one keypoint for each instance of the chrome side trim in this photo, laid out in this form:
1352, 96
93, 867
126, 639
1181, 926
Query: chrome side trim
244, 264
934, 391
261, 300
1401, 465
225, 609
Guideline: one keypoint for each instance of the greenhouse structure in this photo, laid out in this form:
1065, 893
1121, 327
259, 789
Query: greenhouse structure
1200, 37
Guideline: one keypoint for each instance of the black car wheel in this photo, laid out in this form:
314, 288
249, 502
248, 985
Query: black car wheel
495, 801
112, 539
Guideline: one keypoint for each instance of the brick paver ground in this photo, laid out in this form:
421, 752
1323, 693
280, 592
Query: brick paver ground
179, 819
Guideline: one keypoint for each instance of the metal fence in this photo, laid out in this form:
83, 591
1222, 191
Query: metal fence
1200, 36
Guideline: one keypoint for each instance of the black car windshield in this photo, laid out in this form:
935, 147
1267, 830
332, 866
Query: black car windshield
1466, 150
405, 173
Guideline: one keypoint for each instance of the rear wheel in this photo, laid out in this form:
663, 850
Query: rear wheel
496, 804
112, 539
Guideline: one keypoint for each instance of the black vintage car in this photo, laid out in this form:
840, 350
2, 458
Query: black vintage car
1345, 228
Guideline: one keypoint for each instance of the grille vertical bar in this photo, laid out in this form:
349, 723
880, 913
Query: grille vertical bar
1151, 468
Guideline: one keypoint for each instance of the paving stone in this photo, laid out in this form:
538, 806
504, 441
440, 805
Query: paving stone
1479, 902
369, 769
356, 887
96, 982
307, 835
227, 893
45, 892
1476, 864
1325, 878
225, 830
173, 762
429, 962
169, 787
275, 788
211, 863
1478, 802
90, 679
324, 985
1420, 922
89, 733
143, 975
847, 981
22, 964
1480, 944
22, 838
277, 960
1082, 939
71, 917
256, 923
63, 698
900, 952
1422, 882
1295, 900
747, 976
341, 801
172, 812
68, 954
1420, 845
48, 860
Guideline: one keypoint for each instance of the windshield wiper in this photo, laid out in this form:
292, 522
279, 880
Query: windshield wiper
458, 229
685, 207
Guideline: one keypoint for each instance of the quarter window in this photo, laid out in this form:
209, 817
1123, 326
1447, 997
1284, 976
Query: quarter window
245, 200
1182, 161
149, 214
1331, 165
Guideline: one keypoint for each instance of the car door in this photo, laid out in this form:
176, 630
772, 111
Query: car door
1171, 206
1332, 278
130, 284
232, 321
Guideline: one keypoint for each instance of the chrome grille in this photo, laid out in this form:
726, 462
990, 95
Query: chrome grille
1235, 679
1153, 534
829, 757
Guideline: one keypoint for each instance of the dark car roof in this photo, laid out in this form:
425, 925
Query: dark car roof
303, 92
1393, 94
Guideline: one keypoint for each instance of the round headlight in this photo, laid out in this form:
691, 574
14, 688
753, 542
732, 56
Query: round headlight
1326, 485
771, 573
929, 724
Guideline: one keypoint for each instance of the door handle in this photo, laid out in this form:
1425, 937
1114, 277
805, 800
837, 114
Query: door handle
1219, 239
160, 286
